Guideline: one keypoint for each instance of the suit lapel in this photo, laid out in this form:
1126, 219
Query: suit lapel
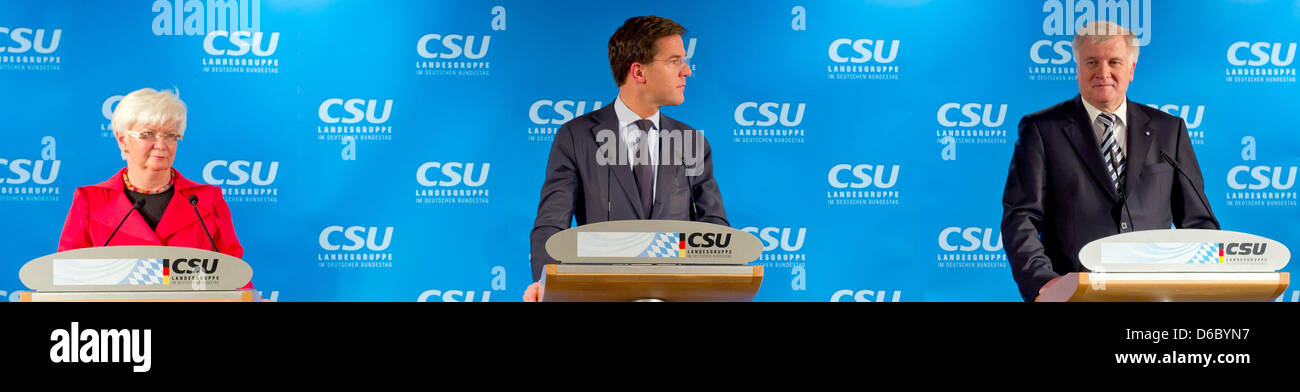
1139, 142
606, 119
1079, 133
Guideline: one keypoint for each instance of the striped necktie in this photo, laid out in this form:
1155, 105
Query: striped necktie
1110, 151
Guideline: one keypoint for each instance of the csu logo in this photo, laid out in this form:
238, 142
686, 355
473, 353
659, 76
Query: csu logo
498, 284
862, 50
220, 172
452, 174
190, 266
769, 237
454, 45
768, 112
22, 39
863, 176
706, 240
971, 239
353, 108
545, 111
1261, 177
110, 104
1261, 53
239, 43
972, 114
354, 238
23, 170
1061, 52
865, 295
1243, 249
1192, 118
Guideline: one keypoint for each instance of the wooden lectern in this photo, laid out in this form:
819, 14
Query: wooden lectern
1176, 265
652, 261
564, 283
137, 274
1167, 287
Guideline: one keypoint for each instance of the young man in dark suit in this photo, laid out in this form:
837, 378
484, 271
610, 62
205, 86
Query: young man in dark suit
1094, 166
627, 160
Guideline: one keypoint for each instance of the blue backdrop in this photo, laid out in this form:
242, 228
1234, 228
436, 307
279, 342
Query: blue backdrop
393, 151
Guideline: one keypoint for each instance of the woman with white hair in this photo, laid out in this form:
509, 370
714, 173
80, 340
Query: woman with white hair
150, 200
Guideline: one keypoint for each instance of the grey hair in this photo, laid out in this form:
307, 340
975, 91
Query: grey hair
1103, 31
150, 107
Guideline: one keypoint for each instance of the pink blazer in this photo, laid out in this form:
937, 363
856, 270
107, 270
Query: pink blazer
97, 209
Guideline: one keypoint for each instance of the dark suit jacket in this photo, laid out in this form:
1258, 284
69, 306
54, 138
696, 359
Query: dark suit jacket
1059, 195
577, 186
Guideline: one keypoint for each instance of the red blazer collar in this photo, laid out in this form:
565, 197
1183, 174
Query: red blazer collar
115, 182
178, 215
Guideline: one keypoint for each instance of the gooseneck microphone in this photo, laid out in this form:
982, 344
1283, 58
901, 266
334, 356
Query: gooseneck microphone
609, 173
194, 202
1199, 195
138, 203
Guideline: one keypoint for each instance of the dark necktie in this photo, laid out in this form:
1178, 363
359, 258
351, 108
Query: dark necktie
1110, 151
644, 173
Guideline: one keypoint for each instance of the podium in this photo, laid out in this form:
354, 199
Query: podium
652, 261
1176, 265
137, 274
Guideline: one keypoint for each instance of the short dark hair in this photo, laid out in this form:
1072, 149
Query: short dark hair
634, 42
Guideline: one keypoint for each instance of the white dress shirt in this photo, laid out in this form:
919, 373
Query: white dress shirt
1099, 130
631, 135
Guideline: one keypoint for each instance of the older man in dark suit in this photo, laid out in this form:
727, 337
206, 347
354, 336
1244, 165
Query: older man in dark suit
627, 160
1095, 166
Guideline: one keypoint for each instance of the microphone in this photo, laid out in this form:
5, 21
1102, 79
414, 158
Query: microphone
194, 202
690, 184
1199, 195
138, 203
609, 172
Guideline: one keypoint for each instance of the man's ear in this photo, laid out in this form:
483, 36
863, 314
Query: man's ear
636, 73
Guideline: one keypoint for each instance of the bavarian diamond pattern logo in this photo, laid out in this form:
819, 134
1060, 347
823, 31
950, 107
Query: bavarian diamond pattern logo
146, 271
1208, 253
663, 245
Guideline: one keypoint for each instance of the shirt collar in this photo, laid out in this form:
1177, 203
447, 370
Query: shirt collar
627, 116
1093, 111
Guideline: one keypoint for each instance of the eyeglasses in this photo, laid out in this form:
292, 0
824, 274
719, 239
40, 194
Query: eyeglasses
150, 136
678, 62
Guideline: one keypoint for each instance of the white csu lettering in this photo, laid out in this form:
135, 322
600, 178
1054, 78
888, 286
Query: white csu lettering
768, 111
972, 237
1261, 53
102, 345
20, 167
452, 43
19, 36
973, 114
452, 172
353, 234
241, 172
241, 41
866, 296
498, 283
353, 107
770, 242
561, 108
862, 173
454, 296
863, 52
